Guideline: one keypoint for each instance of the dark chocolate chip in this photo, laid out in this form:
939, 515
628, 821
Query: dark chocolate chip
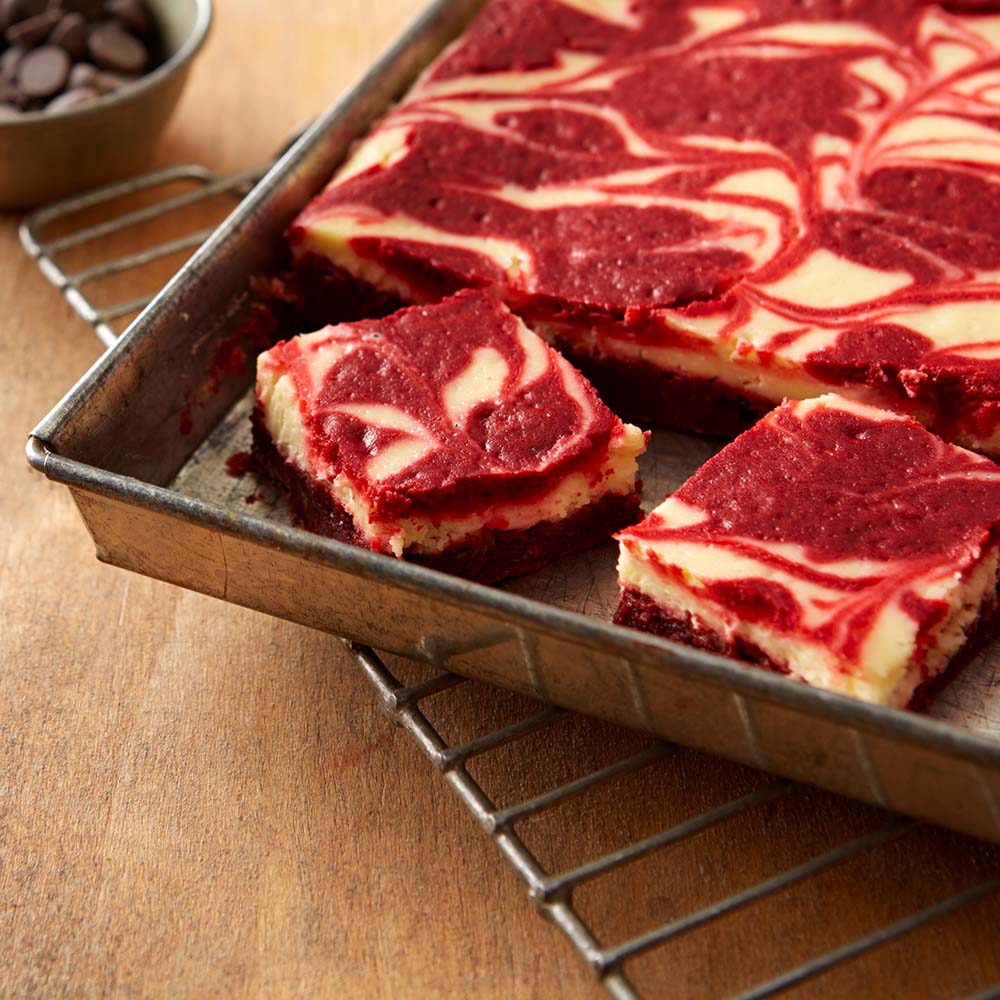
9, 113
34, 30
132, 13
82, 75
107, 83
71, 34
10, 60
12, 11
72, 99
91, 9
113, 48
43, 72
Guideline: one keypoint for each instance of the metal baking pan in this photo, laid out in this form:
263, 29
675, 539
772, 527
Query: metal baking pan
142, 439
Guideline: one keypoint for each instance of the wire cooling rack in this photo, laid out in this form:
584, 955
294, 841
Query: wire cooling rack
116, 219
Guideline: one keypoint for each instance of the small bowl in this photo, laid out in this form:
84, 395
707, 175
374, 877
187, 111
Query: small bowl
44, 157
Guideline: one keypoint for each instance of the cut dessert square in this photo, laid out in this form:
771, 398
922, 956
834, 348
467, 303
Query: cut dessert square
709, 205
450, 433
839, 543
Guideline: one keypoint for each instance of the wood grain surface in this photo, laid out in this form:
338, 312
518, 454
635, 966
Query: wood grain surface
199, 801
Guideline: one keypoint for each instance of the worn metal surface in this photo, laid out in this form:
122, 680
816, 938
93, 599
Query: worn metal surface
142, 440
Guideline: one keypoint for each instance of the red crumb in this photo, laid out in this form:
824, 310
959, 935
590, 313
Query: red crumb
239, 464
229, 359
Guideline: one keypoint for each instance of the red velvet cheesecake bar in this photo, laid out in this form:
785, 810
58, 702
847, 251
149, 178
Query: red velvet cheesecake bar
839, 543
709, 205
448, 433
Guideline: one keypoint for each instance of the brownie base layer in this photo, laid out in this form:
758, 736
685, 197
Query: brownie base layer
310, 293
639, 611
487, 557
641, 392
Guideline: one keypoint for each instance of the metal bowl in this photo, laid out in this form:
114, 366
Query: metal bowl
48, 156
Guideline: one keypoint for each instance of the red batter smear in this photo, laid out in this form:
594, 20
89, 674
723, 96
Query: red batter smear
239, 464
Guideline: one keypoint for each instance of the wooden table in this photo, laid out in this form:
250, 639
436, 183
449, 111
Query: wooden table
197, 800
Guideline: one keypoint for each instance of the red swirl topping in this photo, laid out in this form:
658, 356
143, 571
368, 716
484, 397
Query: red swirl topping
437, 408
824, 175
829, 520
846, 486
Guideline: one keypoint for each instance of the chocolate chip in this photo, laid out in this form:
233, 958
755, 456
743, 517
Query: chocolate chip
71, 34
33, 30
108, 83
72, 99
132, 13
82, 75
90, 9
12, 11
10, 60
43, 72
113, 48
